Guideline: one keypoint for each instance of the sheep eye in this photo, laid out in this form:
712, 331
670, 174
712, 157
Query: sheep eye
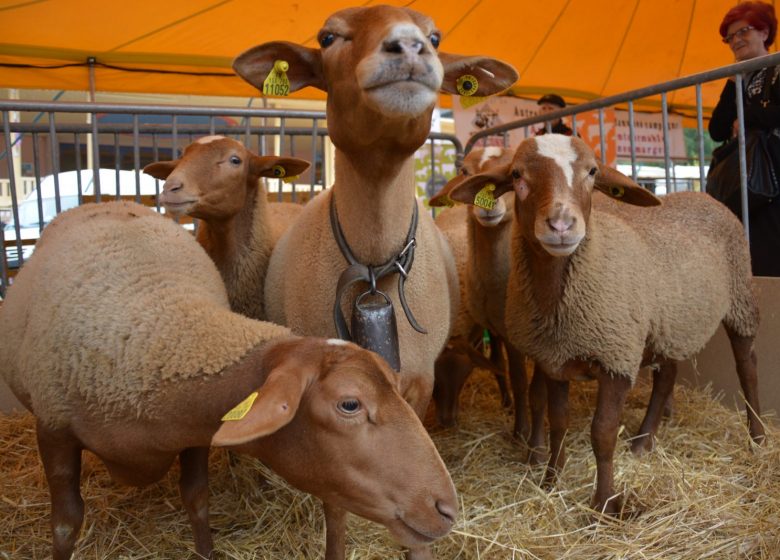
593, 171
349, 406
326, 39
235, 160
435, 39
516, 174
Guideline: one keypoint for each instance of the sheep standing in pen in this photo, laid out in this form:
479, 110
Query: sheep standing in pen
459, 357
130, 350
483, 262
217, 180
602, 293
382, 75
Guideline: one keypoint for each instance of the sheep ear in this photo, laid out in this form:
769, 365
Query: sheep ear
266, 410
278, 167
442, 198
491, 75
467, 189
304, 65
161, 169
616, 185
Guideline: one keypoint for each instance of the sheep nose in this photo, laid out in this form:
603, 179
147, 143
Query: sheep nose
446, 511
561, 224
406, 45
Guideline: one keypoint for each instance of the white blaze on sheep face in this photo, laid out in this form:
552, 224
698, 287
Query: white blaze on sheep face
558, 148
490, 153
208, 139
337, 342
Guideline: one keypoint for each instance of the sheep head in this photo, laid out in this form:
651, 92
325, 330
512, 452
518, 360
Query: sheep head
214, 177
481, 160
331, 421
553, 177
382, 72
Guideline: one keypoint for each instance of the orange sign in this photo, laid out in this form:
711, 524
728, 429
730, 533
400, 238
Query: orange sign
588, 129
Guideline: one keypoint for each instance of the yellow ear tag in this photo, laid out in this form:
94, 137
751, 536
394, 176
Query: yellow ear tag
290, 179
616, 191
279, 171
240, 410
485, 198
467, 85
277, 83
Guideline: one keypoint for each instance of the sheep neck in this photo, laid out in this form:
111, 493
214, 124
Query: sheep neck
547, 275
240, 246
489, 266
374, 198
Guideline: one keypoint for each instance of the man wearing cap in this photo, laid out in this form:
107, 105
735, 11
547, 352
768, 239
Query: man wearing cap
547, 104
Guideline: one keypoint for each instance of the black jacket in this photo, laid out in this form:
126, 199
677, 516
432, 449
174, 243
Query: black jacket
756, 116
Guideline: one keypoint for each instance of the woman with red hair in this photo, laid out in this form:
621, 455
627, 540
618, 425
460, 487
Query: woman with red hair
749, 28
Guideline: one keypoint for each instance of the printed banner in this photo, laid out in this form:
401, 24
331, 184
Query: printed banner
648, 128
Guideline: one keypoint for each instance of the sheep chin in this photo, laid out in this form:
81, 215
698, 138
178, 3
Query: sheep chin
405, 99
559, 249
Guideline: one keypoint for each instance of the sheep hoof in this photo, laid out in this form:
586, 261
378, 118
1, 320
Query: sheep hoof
536, 457
642, 444
613, 506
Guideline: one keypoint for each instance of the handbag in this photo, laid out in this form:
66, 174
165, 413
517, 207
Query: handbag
761, 148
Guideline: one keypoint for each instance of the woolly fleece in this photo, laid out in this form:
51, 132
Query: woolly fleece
659, 277
99, 311
244, 275
452, 223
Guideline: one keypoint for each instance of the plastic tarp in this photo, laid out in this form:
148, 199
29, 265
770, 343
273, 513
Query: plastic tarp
582, 49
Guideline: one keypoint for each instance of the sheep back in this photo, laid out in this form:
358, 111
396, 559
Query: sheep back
115, 301
660, 278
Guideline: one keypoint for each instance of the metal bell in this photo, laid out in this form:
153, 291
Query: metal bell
374, 327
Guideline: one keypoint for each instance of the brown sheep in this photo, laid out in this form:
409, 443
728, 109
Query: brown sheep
217, 180
130, 351
602, 293
382, 73
483, 263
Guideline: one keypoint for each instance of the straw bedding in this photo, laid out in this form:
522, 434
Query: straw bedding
705, 492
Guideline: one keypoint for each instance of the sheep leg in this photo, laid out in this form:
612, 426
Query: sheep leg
519, 382
558, 416
194, 489
497, 359
60, 453
451, 370
663, 386
612, 393
747, 366
335, 532
537, 397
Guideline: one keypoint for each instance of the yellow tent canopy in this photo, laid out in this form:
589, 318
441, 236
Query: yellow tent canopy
581, 49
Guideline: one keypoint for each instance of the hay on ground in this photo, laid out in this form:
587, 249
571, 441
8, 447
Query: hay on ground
704, 492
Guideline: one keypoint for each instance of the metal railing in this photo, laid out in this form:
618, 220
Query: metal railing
695, 80
120, 139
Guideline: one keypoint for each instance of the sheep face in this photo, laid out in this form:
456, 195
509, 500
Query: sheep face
553, 177
349, 438
381, 70
215, 177
478, 161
